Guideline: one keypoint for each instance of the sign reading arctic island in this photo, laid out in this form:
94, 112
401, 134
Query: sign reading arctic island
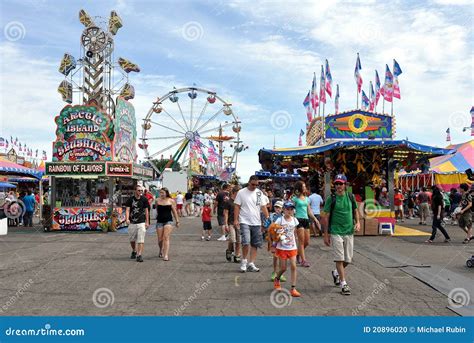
83, 134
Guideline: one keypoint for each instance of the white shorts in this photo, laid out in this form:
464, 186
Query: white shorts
136, 232
399, 208
343, 248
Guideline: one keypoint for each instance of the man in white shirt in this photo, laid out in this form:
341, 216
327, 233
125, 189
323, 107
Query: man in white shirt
316, 201
179, 203
249, 202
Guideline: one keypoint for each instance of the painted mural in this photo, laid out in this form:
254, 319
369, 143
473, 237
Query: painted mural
126, 136
83, 134
85, 218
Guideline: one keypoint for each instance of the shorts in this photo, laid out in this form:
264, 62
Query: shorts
465, 220
251, 234
179, 206
399, 208
162, 225
425, 209
318, 217
234, 234
302, 223
206, 226
286, 254
220, 219
343, 248
136, 232
189, 202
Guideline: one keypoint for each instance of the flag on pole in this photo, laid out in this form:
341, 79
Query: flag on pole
6, 143
306, 104
36, 153
365, 101
371, 97
448, 136
300, 139
357, 76
2, 142
388, 86
336, 100
314, 95
396, 71
378, 91
322, 91
328, 80
45, 157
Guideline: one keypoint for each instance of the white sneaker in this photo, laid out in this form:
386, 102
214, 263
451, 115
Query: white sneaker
222, 238
252, 268
243, 266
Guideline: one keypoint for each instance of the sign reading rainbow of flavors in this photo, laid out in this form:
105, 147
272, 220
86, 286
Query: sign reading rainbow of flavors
83, 134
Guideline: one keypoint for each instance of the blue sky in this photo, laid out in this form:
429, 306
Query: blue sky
260, 56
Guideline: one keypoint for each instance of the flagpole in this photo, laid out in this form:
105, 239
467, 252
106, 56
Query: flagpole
357, 90
324, 133
383, 106
392, 106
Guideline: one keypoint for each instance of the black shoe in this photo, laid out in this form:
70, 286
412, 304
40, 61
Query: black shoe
228, 255
139, 258
346, 290
133, 255
236, 259
335, 277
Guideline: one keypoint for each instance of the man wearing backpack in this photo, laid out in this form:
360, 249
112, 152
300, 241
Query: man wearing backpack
340, 218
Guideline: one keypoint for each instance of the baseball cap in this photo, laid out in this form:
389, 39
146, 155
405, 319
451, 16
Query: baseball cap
289, 204
279, 203
340, 178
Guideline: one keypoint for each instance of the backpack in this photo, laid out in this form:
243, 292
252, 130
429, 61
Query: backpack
333, 204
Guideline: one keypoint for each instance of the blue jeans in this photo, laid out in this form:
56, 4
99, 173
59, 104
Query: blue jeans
28, 218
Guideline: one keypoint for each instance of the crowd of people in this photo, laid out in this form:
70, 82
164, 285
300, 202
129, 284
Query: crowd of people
247, 218
22, 207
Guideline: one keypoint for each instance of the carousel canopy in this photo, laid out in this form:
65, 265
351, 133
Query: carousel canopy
4, 185
400, 145
13, 169
458, 162
277, 175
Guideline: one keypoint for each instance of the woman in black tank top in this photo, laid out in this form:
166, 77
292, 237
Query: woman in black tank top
166, 210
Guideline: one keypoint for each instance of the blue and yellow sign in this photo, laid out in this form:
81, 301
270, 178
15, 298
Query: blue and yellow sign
359, 125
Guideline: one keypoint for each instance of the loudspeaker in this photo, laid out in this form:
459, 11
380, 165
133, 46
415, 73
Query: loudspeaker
89, 54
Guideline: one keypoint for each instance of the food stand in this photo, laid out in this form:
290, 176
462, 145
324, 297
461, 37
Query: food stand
358, 144
93, 169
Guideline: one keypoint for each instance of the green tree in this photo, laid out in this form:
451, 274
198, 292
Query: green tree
162, 163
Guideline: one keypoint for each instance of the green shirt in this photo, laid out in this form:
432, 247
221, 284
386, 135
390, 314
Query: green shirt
342, 221
301, 207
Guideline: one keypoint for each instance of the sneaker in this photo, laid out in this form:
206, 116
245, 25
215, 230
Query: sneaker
139, 258
243, 266
202, 238
228, 255
282, 278
236, 259
252, 268
336, 279
133, 255
346, 290
305, 264
276, 284
295, 293
273, 276
447, 240
222, 238
208, 238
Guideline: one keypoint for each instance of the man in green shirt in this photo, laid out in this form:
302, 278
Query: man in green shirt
339, 220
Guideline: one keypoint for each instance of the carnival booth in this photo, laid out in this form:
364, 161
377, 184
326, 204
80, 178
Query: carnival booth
360, 145
445, 171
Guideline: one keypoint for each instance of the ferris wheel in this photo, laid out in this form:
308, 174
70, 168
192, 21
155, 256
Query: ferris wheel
193, 127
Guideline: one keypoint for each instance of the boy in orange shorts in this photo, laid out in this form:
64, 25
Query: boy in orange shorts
286, 248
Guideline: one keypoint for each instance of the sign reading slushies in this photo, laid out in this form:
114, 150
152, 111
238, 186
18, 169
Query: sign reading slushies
83, 134
82, 218
75, 168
